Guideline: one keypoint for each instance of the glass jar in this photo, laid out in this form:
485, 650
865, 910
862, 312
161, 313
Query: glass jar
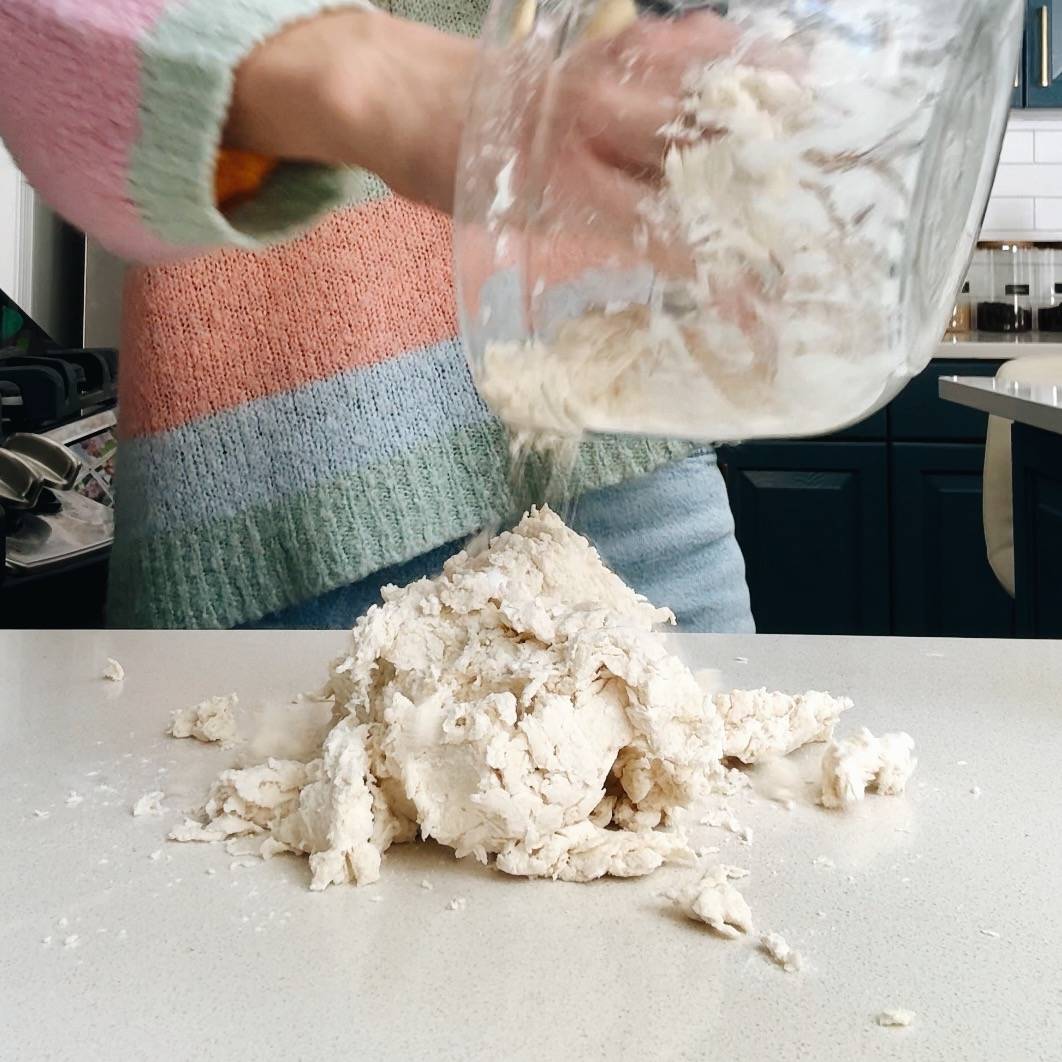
1008, 308
963, 317
1049, 295
793, 260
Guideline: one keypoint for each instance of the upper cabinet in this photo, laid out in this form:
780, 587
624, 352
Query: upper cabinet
1040, 81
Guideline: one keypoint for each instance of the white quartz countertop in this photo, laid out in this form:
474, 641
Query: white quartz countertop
988, 346
945, 901
1037, 404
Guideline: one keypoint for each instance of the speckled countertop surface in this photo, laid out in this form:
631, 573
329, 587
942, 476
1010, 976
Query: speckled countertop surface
945, 902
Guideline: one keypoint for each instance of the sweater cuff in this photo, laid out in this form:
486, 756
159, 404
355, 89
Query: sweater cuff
188, 64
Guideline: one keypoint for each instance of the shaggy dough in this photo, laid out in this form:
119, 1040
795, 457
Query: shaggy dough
210, 720
521, 708
761, 726
793, 212
777, 949
713, 900
864, 762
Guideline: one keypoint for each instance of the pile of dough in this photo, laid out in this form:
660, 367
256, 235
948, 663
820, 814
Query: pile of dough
851, 767
522, 707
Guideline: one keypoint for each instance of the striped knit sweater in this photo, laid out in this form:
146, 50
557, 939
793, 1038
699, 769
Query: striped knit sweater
296, 410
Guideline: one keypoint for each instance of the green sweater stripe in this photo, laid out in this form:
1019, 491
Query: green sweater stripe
339, 532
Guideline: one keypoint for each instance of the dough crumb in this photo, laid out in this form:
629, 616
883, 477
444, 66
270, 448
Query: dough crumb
376, 899
426, 885
63, 922
210, 720
458, 903
852, 766
73, 798
713, 900
210, 872
41, 814
156, 855
989, 933
72, 941
113, 671
895, 1018
149, 803
243, 864
776, 948
46, 941
975, 791
823, 861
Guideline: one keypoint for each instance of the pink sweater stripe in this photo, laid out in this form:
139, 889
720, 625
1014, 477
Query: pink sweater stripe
369, 284
69, 90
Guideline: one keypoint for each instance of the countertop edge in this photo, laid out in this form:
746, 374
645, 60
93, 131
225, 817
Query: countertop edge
964, 392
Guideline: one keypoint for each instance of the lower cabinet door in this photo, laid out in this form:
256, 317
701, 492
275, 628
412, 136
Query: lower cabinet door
942, 584
812, 521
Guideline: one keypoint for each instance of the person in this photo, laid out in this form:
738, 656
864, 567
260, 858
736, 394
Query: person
298, 425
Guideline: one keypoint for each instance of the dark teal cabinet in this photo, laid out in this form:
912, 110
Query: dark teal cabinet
1042, 56
877, 530
942, 584
812, 521
1038, 531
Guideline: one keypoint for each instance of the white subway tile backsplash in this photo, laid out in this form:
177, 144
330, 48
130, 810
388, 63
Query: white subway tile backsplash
1020, 146
1031, 180
1010, 215
1048, 214
1027, 197
1048, 146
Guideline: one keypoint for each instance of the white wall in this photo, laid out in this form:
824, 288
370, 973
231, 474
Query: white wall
10, 212
1027, 199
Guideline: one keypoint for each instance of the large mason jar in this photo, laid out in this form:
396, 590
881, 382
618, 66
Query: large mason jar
722, 221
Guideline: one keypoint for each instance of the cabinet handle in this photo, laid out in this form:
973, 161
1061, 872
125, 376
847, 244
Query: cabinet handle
1045, 48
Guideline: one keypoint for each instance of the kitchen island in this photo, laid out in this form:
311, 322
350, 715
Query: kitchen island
116, 944
1035, 410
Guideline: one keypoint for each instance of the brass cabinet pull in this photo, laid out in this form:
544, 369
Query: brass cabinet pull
1045, 48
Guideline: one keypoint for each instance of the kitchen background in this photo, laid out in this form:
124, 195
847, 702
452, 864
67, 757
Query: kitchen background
877, 530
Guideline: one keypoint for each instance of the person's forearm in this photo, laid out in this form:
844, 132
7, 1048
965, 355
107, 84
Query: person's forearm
128, 153
358, 88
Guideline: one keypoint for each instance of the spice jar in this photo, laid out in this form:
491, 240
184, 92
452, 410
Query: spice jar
1008, 307
962, 316
1050, 316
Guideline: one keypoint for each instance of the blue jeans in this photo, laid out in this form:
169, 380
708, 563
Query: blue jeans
669, 534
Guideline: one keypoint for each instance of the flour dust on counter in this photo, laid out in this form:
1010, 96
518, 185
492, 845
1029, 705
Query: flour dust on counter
522, 708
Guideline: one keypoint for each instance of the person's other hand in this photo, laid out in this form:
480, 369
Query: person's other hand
364, 88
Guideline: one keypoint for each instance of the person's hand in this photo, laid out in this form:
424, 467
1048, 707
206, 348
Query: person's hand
366, 89
359, 88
